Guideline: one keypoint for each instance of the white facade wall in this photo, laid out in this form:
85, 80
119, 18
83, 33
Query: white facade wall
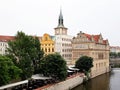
3, 47
115, 49
64, 47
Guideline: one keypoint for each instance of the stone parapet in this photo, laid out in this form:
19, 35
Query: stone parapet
68, 84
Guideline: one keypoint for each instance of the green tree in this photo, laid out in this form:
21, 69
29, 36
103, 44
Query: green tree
113, 55
25, 51
118, 54
84, 63
38, 55
55, 66
8, 71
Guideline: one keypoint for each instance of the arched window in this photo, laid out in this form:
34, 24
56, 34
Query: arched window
49, 50
52, 49
45, 49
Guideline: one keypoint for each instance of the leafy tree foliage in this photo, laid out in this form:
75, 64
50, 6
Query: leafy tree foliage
84, 63
8, 71
39, 54
113, 54
55, 66
26, 52
118, 54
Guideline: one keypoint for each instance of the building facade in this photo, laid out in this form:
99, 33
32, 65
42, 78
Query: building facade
4, 43
93, 46
115, 49
62, 40
47, 44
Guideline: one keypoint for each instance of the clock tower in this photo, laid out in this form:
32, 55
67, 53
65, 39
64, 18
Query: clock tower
60, 29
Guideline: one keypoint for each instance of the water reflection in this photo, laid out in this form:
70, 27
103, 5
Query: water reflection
115, 79
109, 81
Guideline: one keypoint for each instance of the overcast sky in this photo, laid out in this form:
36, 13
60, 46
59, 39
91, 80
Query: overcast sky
36, 17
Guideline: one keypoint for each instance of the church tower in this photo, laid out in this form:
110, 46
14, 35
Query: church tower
60, 29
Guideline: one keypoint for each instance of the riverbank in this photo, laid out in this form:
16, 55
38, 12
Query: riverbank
107, 81
71, 82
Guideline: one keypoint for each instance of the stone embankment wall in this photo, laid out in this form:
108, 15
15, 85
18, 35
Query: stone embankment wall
101, 71
68, 84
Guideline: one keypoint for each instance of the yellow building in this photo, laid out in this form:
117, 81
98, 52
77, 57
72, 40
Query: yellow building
47, 44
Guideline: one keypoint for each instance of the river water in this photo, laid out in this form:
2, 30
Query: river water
108, 81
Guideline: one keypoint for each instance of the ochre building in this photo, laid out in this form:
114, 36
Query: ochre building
93, 46
47, 44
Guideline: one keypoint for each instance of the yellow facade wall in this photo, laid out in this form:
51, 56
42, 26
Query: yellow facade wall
47, 44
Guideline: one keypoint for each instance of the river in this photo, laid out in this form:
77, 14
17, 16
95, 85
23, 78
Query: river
108, 81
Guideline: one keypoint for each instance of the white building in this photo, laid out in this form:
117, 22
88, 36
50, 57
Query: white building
4, 43
115, 49
63, 41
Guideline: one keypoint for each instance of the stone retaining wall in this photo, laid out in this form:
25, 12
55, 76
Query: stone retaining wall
68, 84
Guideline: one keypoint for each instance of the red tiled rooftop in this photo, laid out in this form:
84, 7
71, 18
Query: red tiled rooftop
88, 36
6, 38
104, 41
95, 37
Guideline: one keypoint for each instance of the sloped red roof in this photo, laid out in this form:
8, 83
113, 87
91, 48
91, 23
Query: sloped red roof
104, 41
6, 38
95, 37
88, 36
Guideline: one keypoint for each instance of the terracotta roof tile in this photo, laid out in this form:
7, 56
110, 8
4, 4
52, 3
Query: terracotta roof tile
88, 36
6, 38
95, 37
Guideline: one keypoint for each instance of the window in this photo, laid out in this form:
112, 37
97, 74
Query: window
52, 49
45, 49
49, 50
100, 55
